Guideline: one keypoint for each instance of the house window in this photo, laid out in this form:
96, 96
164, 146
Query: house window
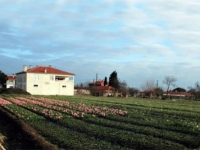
35, 85
71, 78
36, 77
19, 79
59, 78
51, 77
64, 86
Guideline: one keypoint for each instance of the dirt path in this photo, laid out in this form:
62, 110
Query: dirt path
20, 136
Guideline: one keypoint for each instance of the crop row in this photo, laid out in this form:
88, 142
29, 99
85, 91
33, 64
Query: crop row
4, 102
68, 107
59, 135
115, 136
161, 109
169, 107
185, 139
186, 115
191, 141
120, 130
173, 124
160, 114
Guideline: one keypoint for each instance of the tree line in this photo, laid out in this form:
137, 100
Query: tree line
150, 87
121, 85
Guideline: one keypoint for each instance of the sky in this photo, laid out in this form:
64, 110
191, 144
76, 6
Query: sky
141, 40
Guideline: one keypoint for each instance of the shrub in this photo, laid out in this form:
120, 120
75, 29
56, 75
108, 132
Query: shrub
14, 91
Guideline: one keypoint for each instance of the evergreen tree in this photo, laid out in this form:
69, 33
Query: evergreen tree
113, 80
2, 78
105, 81
179, 89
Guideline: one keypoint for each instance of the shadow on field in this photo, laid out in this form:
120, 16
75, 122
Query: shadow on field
19, 135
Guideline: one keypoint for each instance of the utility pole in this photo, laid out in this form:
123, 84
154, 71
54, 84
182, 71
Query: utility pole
96, 81
96, 77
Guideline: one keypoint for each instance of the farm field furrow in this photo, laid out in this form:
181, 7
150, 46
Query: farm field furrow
63, 137
96, 131
115, 123
167, 135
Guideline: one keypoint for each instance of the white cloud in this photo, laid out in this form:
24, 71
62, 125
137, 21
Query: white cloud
139, 39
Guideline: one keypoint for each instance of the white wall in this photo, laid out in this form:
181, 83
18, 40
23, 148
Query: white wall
42, 84
10, 84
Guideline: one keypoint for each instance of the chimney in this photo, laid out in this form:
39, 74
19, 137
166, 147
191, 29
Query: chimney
50, 66
30, 67
25, 68
45, 70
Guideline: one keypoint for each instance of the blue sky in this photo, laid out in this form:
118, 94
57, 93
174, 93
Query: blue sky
140, 39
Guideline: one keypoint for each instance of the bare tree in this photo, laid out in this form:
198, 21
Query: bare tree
158, 92
169, 80
195, 91
123, 88
133, 91
148, 87
197, 86
83, 84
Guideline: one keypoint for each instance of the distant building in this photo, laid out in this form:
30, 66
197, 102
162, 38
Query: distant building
98, 89
104, 91
147, 94
81, 90
45, 80
10, 82
176, 94
98, 83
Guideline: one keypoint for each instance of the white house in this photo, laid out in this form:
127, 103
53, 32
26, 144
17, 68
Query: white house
10, 82
45, 80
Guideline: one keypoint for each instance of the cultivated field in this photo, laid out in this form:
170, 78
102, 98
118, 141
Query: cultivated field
109, 123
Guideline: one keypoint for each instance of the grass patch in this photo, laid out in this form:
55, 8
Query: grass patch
148, 124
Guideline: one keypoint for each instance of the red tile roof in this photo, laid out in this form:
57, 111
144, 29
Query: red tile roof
46, 69
174, 93
11, 77
98, 83
103, 88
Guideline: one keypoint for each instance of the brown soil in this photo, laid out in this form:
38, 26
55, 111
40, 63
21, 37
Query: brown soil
20, 136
